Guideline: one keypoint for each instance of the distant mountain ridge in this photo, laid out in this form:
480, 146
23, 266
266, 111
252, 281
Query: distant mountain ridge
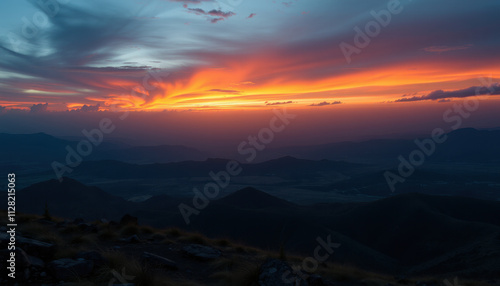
40, 150
462, 145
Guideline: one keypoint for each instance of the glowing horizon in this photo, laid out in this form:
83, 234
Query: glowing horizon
217, 57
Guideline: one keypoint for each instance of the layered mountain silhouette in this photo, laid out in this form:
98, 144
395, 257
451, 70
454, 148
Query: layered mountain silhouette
24, 151
461, 145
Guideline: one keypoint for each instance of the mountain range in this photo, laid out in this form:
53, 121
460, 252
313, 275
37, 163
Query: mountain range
406, 234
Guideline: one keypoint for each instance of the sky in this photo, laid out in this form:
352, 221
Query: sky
324, 56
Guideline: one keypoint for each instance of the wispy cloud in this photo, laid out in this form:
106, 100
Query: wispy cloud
326, 103
219, 14
493, 89
443, 49
224, 90
279, 103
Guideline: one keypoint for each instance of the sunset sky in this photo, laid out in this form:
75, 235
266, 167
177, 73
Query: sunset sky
159, 55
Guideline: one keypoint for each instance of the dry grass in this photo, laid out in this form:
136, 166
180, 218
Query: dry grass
147, 230
85, 240
129, 230
173, 232
239, 266
107, 235
194, 238
244, 274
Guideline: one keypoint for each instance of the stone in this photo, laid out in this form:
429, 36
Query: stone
132, 239
34, 247
78, 221
275, 272
158, 261
93, 256
201, 252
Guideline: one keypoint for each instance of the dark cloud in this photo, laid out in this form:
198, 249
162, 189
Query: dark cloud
493, 89
326, 103
39, 107
2, 108
215, 20
220, 15
89, 108
279, 103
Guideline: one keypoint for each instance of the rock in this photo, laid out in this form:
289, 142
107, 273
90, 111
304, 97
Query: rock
36, 262
275, 272
93, 256
158, 261
132, 239
67, 268
201, 252
78, 221
128, 220
34, 247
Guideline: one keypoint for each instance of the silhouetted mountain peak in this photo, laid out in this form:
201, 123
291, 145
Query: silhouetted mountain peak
55, 189
466, 132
